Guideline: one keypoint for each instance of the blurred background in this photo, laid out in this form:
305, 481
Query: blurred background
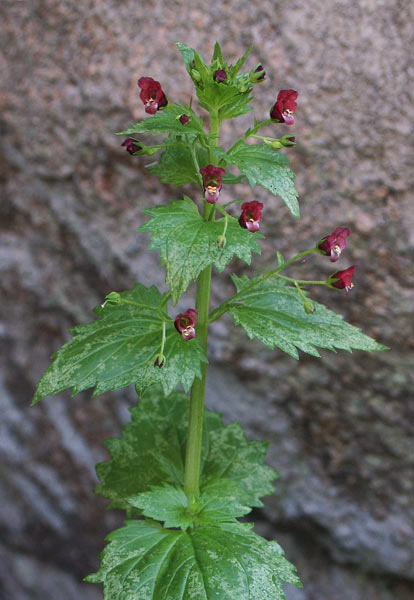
340, 427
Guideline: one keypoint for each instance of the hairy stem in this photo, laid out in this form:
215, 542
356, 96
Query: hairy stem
195, 427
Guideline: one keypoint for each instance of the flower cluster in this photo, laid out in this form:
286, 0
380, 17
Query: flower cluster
332, 245
257, 75
283, 111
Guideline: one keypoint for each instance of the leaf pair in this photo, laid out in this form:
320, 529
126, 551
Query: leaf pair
220, 558
147, 466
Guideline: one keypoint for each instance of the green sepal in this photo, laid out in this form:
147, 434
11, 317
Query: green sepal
218, 57
144, 561
151, 452
268, 168
187, 243
274, 313
168, 121
234, 69
119, 348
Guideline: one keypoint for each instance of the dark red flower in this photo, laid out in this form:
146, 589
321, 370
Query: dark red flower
257, 75
220, 75
184, 119
185, 323
131, 146
212, 182
344, 279
251, 215
284, 107
151, 94
332, 245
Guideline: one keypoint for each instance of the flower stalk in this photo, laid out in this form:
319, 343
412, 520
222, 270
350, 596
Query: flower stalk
220, 310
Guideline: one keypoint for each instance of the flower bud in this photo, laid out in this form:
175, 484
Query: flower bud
309, 307
111, 299
287, 141
195, 75
131, 146
159, 361
221, 241
275, 144
257, 75
184, 119
220, 76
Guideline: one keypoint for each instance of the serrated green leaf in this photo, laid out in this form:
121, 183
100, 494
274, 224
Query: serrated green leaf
144, 561
187, 243
226, 98
274, 314
236, 68
169, 504
187, 53
268, 168
176, 166
166, 504
280, 259
218, 55
119, 349
201, 67
230, 179
239, 105
168, 121
151, 452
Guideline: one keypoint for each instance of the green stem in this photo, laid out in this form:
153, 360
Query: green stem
250, 132
195, 426
220, 310
163, 337
213, 134
196, 165
298, 282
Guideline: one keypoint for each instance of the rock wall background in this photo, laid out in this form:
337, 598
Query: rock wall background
71, 199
